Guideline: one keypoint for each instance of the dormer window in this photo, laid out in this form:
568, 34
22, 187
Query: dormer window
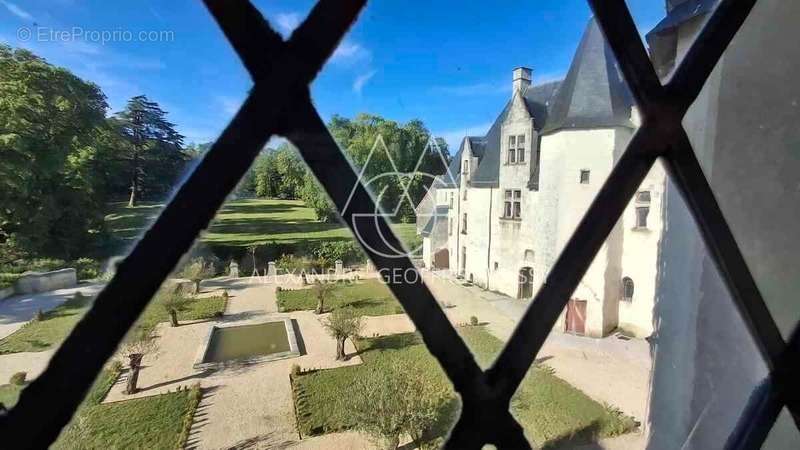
516, 149
465, 167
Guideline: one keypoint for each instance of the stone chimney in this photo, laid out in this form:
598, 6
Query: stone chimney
521, 77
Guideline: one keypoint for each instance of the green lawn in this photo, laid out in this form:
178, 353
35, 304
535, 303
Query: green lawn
245, 222
39, 335
9, 394
36, 336
160, 421
367, 297
550, 410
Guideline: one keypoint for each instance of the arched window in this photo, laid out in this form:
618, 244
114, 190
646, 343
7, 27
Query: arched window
627, 289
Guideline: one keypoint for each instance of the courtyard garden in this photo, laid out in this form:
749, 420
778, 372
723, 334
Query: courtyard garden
366, 298
550, 410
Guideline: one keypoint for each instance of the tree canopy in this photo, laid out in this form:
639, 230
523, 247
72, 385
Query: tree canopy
379, 146
151, 147
62, 159
53, 140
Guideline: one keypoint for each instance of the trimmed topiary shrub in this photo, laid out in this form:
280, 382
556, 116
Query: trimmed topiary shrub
473, 321
18, 378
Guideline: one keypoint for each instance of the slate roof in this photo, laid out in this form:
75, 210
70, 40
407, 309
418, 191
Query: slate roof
592, 95
679, 12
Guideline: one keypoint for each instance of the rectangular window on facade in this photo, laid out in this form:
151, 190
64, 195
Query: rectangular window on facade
464, 224
521, 148
584, 176
512, 150
643, 196
465, 194
451, 200
465, 167
450, 227
512, 204
641, 217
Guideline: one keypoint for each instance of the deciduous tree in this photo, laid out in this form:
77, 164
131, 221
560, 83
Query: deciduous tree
134, 350
321, 291
197, 270
342, 323
173, 300
393, 400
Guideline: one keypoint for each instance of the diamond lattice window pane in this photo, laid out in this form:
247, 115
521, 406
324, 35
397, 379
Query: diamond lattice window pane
671, 366
740, 130
670, 30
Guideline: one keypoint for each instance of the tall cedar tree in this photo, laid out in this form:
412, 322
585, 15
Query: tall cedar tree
154, 149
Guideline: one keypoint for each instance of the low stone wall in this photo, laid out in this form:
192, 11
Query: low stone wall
7, 292
33, 282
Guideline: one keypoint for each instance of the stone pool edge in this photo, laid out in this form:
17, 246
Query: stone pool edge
294, 349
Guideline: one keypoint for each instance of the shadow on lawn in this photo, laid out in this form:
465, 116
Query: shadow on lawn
584, 438
246, 207
364, 303
389, 342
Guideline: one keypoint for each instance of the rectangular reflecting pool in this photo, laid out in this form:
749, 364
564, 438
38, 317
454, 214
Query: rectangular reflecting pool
248, 343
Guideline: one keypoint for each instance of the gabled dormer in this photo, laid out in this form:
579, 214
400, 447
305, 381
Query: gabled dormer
518, 136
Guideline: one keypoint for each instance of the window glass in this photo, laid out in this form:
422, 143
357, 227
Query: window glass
641, 217
627, 289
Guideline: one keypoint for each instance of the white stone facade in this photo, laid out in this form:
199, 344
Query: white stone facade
550, 187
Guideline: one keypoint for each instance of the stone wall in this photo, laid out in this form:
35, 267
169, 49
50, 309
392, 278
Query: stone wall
33, 282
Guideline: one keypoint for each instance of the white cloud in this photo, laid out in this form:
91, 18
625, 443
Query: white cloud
453, 137
361, 80
348, 52
287, 22
230, 105
16, 10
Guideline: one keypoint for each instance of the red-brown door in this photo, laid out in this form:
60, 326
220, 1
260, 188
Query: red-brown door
441, 259
576, 317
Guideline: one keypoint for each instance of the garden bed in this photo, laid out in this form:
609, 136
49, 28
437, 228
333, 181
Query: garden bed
368, 298
550, 410
56, 324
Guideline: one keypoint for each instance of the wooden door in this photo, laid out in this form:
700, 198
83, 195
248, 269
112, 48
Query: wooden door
576, 317
441, 259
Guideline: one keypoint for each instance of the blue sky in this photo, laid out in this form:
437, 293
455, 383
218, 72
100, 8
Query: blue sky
447, 63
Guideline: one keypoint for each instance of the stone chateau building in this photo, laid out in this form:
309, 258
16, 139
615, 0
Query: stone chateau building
513, 197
